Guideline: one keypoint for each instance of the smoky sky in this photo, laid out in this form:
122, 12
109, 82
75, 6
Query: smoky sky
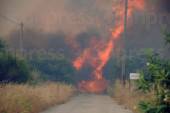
76, 16
165, 5
72, 16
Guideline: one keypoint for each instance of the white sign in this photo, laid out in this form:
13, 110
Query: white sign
134, 76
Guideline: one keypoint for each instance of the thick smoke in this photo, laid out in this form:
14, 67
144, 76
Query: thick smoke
165, 5
71, 16
150, 25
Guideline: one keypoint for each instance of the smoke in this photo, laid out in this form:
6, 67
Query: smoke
74, 17
71, 16
164, 5
149, 25
167, 5
12, 12
85, 20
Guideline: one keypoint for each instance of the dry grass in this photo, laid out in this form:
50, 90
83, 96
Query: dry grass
32, 99
128, 97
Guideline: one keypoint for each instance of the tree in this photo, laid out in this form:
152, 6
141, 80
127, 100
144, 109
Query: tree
2, 46
167, 38
54, 67
12, 69
156, 77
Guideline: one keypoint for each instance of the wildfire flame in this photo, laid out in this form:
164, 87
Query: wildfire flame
98, 54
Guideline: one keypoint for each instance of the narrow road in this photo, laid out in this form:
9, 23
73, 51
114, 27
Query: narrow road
89, 103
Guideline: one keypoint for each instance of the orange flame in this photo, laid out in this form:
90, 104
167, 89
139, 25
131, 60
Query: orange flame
78, 63
103, 51
93, 86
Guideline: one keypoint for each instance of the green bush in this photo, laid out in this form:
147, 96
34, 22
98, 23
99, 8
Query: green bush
156, 77
12, 69
2, 46
54, 67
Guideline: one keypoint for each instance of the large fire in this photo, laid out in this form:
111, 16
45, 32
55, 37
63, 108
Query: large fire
98, 54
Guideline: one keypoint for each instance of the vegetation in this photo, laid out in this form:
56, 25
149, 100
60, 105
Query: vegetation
157, 78
51, 67
54, 67
152, 91
2, 46
12, 69
32, 99
167, 38
131, 98
134, 63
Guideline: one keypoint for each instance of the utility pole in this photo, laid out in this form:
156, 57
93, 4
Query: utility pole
21, 37
21, 25
124, 44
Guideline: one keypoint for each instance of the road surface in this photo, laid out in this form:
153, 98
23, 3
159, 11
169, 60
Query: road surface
89, 103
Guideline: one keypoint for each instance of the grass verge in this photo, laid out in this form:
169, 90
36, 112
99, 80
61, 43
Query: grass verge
128, 97
32, 99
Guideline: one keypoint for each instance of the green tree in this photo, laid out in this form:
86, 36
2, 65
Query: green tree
12, 69
167, 38
2, 46
156, 77
54, 67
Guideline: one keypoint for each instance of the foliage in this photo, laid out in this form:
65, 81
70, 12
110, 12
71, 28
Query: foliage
143, 84
156, 77
36, 77
147, 107
12, 69
167, 38
2, 46
54, 67
135, 63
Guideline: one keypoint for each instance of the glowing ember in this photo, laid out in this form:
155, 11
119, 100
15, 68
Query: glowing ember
100, 57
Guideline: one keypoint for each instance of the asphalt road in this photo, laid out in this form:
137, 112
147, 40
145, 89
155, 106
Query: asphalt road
89, 103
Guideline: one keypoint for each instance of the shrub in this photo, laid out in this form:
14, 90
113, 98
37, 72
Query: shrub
55, 67
157, 78
128, 96
12, 69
